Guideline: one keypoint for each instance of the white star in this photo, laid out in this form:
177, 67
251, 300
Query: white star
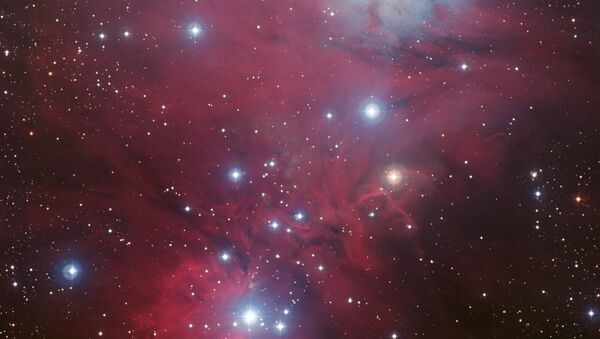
250, 317
372, 111
235, 174
464, 66
299, 216
591, 313
280, 326
102, 36
126, 34
70, 272
195, 30
225, 256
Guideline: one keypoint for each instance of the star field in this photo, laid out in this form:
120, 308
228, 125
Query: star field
300, 169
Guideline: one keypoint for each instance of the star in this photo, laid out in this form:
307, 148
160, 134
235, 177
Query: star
70, 271
591, 313
372, 111
299, 216
274, 224
250, 317
329, 116
102, 36
126, 34
393, 177
225, 256
235, 174
280, 326
464, 66
195, 30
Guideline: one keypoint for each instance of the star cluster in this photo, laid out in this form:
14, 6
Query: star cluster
300, 169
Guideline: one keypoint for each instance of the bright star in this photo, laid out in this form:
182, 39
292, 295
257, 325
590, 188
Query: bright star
250, 317
591, 313
393, 177
274, 224
225, 256
102, 36
280, 326
538, 194
329, 116
372, 111
70, 272
299, 216
235, 174
195, 30
464, 66
188, 208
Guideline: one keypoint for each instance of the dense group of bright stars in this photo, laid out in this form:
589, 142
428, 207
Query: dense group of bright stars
250, 317
371, 112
